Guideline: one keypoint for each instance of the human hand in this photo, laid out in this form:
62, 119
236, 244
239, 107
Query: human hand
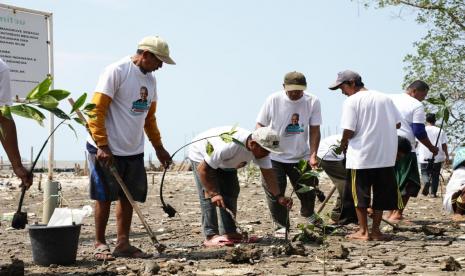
285, 201
313, 162
24, 175
218, 201
105, 156
163, 156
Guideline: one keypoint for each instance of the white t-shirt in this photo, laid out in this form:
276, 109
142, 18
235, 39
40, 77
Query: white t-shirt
5, 88
123, 82
291, 120
324, 151
373, 118
455, 184
412, 111
225, 155
423, 152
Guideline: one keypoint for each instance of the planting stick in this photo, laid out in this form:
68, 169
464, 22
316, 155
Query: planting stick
326, 200
160, 247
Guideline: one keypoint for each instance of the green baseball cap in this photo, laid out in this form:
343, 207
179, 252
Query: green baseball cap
295, 81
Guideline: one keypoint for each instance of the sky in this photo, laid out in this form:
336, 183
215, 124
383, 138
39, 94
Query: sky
230, 55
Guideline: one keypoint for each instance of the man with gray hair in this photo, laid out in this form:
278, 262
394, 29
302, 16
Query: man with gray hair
122, 113
296, 116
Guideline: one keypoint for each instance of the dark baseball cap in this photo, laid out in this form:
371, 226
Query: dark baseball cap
344, 76
295, 81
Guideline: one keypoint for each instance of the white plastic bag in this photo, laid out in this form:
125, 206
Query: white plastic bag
67, 216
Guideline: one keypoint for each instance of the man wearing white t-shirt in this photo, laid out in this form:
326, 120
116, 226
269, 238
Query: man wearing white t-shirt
8, 135
430, 174
369, 119
215, 163
296, 116
125, 99
413, 126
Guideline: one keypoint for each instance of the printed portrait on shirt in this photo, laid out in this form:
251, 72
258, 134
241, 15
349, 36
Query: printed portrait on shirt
142, 105
294, 127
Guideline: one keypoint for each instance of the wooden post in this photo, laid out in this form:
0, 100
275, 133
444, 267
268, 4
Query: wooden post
32, 155
86, 168
153, 179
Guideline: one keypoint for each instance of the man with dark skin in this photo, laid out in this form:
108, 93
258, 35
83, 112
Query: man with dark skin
8, 134
369, 140
122, 145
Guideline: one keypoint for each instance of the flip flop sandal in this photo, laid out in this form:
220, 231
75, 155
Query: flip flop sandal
133, 253
218, 241
103, 250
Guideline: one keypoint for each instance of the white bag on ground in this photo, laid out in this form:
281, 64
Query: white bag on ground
67, 216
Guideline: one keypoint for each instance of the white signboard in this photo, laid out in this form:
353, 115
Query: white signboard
24, 46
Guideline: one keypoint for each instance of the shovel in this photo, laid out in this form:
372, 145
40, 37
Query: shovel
20, 218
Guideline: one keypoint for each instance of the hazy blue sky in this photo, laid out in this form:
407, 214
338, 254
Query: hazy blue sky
230, 56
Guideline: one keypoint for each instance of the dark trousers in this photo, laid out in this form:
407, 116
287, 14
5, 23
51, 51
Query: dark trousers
279, 213
228, 187
433, 182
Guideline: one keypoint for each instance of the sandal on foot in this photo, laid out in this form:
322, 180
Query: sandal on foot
132, 252
218, 241
103, 253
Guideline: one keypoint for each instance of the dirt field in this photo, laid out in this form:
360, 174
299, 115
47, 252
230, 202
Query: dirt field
418, 252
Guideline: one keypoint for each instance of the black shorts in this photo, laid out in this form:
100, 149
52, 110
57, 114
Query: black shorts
386, 195
104, 187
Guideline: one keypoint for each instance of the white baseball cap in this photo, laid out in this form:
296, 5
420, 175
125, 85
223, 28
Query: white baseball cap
157, 46
267, 138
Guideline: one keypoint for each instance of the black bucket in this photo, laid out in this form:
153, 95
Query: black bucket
54, 245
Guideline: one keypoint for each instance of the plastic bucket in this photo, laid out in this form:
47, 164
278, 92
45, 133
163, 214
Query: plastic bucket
54, 245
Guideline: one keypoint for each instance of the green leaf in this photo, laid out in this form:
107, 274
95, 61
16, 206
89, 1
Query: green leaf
440, 114
80, 101
72, 128
48, 101
304, 189
209, 148
442, 97
446, 115
79, 121
308, 175
435, 101
58, 94
89, 106
28, 112
57, 112
40, 90
6, 112
226, 137
302, 165
238, 142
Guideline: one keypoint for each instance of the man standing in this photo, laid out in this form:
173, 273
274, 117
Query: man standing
430, 174
413, 126
118, 132
369, 119
8, 134
296, 116
215, 164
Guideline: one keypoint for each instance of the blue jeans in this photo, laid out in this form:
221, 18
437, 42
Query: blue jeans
228, 187
436, 171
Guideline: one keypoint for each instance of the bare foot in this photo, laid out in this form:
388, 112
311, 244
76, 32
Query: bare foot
359, 235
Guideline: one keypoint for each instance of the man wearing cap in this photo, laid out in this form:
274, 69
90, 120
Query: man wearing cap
413, 126
296, 116
454, 199
215, 162
125, 102
369, 120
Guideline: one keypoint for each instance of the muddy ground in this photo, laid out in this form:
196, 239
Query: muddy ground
417, 252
